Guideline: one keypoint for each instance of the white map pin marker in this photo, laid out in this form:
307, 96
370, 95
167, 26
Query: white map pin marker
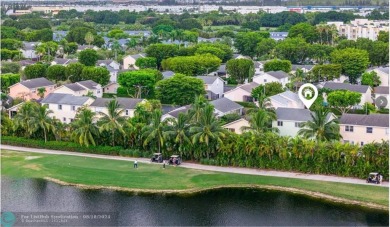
308, 93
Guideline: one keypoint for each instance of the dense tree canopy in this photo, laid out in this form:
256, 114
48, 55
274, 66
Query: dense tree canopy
161, 52
276, 65
35, 71
343, 100
192, 65
246, 42
8, 79
56, 73
295, 50
98, 74
88, 57
240, 69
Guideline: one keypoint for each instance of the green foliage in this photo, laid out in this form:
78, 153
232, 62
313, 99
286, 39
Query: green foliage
56, 73
333, 16
192, 65
383, 36
74, 71
371, 79
305, 31
179, 89
225, 33
70, 48
276, 65
161, 52
353, 61
326, 72
10, 33
10, 67
228, 118
88, 57
320, 53
343, 100
240, 69
6, 54
246, 42
140, 83
77, 34
278, 19
222, 51
265, 47
10, 44
7, 80
190, 23
98, 74
117, 34
270, 89
35, 71
293, 49
32, 23
147, 62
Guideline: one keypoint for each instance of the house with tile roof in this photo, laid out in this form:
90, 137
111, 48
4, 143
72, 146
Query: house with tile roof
28, 89
241, 93
128, 106
272, 76
360, 129
65, 106
81, 88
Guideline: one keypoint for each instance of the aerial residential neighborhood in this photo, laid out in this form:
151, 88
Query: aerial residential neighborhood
230, 102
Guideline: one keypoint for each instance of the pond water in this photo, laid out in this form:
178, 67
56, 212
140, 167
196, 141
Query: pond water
222, 207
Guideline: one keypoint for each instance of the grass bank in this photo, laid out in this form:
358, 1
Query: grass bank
120, 175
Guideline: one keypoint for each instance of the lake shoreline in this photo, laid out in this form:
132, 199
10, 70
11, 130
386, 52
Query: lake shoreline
316, 195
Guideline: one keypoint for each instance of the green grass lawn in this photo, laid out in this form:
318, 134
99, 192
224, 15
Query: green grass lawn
101, 172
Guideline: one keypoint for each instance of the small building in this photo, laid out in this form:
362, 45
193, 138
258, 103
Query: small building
65, 106
112, 66
129, 60
213, 85
224, 106
278, 35
360, 129
287, 99
221, 71
364, 90
28, 89
28, 50
242, 93
81, 88
111, 88
272, 76
127, 104
304, 68
236, 126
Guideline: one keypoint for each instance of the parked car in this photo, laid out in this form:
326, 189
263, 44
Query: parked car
174, 160
374, 178
157, 157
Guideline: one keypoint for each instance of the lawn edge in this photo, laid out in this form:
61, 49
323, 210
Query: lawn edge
308, 193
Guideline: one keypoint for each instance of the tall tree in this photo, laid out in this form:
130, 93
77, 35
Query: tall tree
40, 119
113, 120
321, 127
240, 69
261, 121
84, 130
89, 38
343, 100
88, 57
178, 131
154, 132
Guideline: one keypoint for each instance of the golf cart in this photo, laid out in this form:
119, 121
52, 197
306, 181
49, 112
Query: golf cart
174, 160
157, 157
374, 178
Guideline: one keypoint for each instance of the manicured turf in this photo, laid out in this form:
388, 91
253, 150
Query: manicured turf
101, 172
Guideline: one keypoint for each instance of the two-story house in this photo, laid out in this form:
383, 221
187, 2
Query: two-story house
28, 89
272, 76
290, 120
127, 104
81, 88
65, 106
237, 126
213, 86
364, 90
112, 66
129, 61
361, 129
242, 93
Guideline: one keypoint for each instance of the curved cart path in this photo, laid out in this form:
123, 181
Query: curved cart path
250, 171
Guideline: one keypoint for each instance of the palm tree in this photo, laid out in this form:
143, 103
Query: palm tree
22, 118
261, 121
207, 130
131, 43
321, 127
41, 92
196, 109
83, 127
113, 119
155, 130
178, 130
40, 119
116, 47
89, 38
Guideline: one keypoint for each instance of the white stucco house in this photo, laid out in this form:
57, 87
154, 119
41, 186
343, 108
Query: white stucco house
81, 88
290, 120
28, 50
242, 93
129, 60
360, 129
364, 90
111, 88
127, 104
272, 76
236, 126
383, 73
287, 99
112, 66
65, 106
213, 86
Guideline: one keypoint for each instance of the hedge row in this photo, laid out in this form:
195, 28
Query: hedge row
73, 147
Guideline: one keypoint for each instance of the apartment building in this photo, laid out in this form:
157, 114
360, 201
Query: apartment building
361, 28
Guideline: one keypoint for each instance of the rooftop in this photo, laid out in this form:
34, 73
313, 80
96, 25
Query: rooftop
88, 84
278, 74
379, 120
225, 105
345, 86
208, 79
381, 90
37, 83
249, 86
126, 103
67, 99
293, 114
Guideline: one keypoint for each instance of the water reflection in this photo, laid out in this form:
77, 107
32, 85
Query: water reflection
247, 207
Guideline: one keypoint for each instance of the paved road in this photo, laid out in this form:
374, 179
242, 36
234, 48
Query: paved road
250, 171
